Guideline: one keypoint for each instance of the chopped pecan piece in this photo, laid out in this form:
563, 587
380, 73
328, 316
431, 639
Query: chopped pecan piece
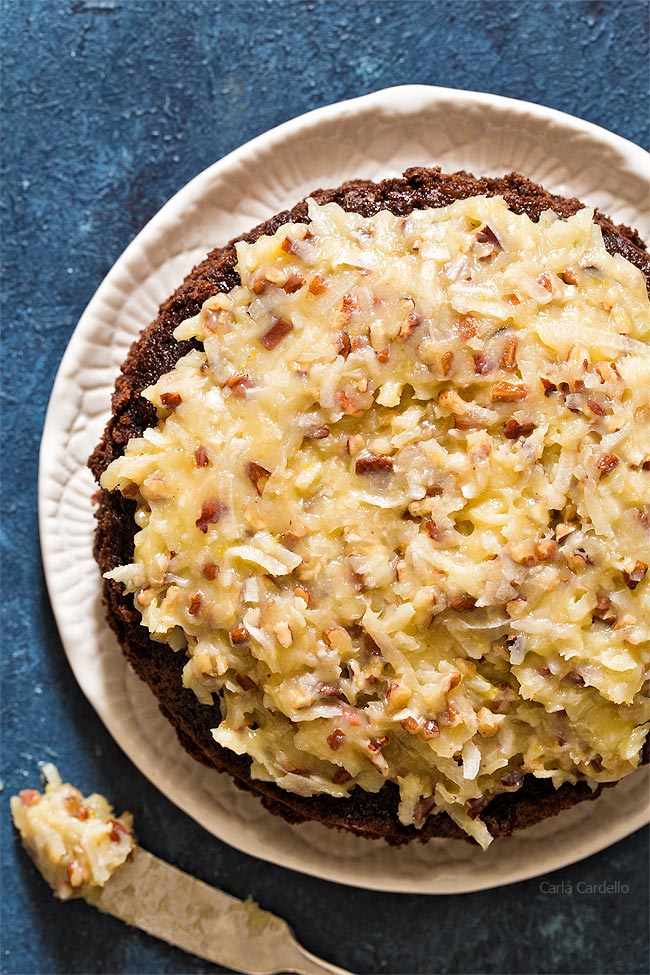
573, 677
350, 405
302, 593
476, 806
606, 464
515, 607
397, 695
569, 276
370, 647
601, 611
512, 780
296, 770
483, 363
432, 530
258, 476
577, 560
245, 682
422, 809
239, 384
171, 400
466, 328
513, 429
195, 604
429, 729
376, 744
449, 715
562, 531
463, 604
546, 550
521, 552
503, 392
320, 433
488, 723
636, 575
487, 236
603, 603
354, 444
117, 830
201, 458
317, 285
410, 725
210, 571
408, 326
608, 372
549, 387
337, 639
544, 281
446, 362
358, 580
29, 797
336, 739
212, 510
279, 330
156, 489
374, 464
344, 346
293, 283
595, 407
290, 246
239, 635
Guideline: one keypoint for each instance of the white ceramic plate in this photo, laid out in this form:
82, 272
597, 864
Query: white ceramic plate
375, 136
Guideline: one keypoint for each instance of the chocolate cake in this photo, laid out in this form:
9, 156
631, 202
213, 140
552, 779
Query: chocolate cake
370, 812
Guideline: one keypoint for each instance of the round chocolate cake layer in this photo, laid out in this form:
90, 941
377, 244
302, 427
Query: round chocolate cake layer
156, 352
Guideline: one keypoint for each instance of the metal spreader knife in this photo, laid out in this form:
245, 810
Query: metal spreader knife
176, 907
83, 850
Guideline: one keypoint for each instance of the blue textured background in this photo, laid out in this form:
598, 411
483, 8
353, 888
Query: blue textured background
108, 108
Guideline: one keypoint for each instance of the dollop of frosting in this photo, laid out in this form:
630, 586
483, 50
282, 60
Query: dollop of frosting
76, 843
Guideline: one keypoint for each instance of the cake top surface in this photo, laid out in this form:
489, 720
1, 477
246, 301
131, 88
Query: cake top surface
395, 509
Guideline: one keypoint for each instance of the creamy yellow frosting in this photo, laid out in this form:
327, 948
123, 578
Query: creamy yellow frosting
396, 509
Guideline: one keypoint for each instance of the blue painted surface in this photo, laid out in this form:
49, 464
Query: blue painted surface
108, 108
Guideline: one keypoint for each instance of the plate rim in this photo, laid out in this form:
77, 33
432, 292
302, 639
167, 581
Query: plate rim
400, 98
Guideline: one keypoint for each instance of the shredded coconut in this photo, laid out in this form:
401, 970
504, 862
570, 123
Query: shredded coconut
76, 842
398, 506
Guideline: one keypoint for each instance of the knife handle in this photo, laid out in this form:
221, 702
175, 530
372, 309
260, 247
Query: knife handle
301, 962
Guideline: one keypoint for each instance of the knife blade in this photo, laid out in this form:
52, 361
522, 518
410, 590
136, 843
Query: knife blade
169, 904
